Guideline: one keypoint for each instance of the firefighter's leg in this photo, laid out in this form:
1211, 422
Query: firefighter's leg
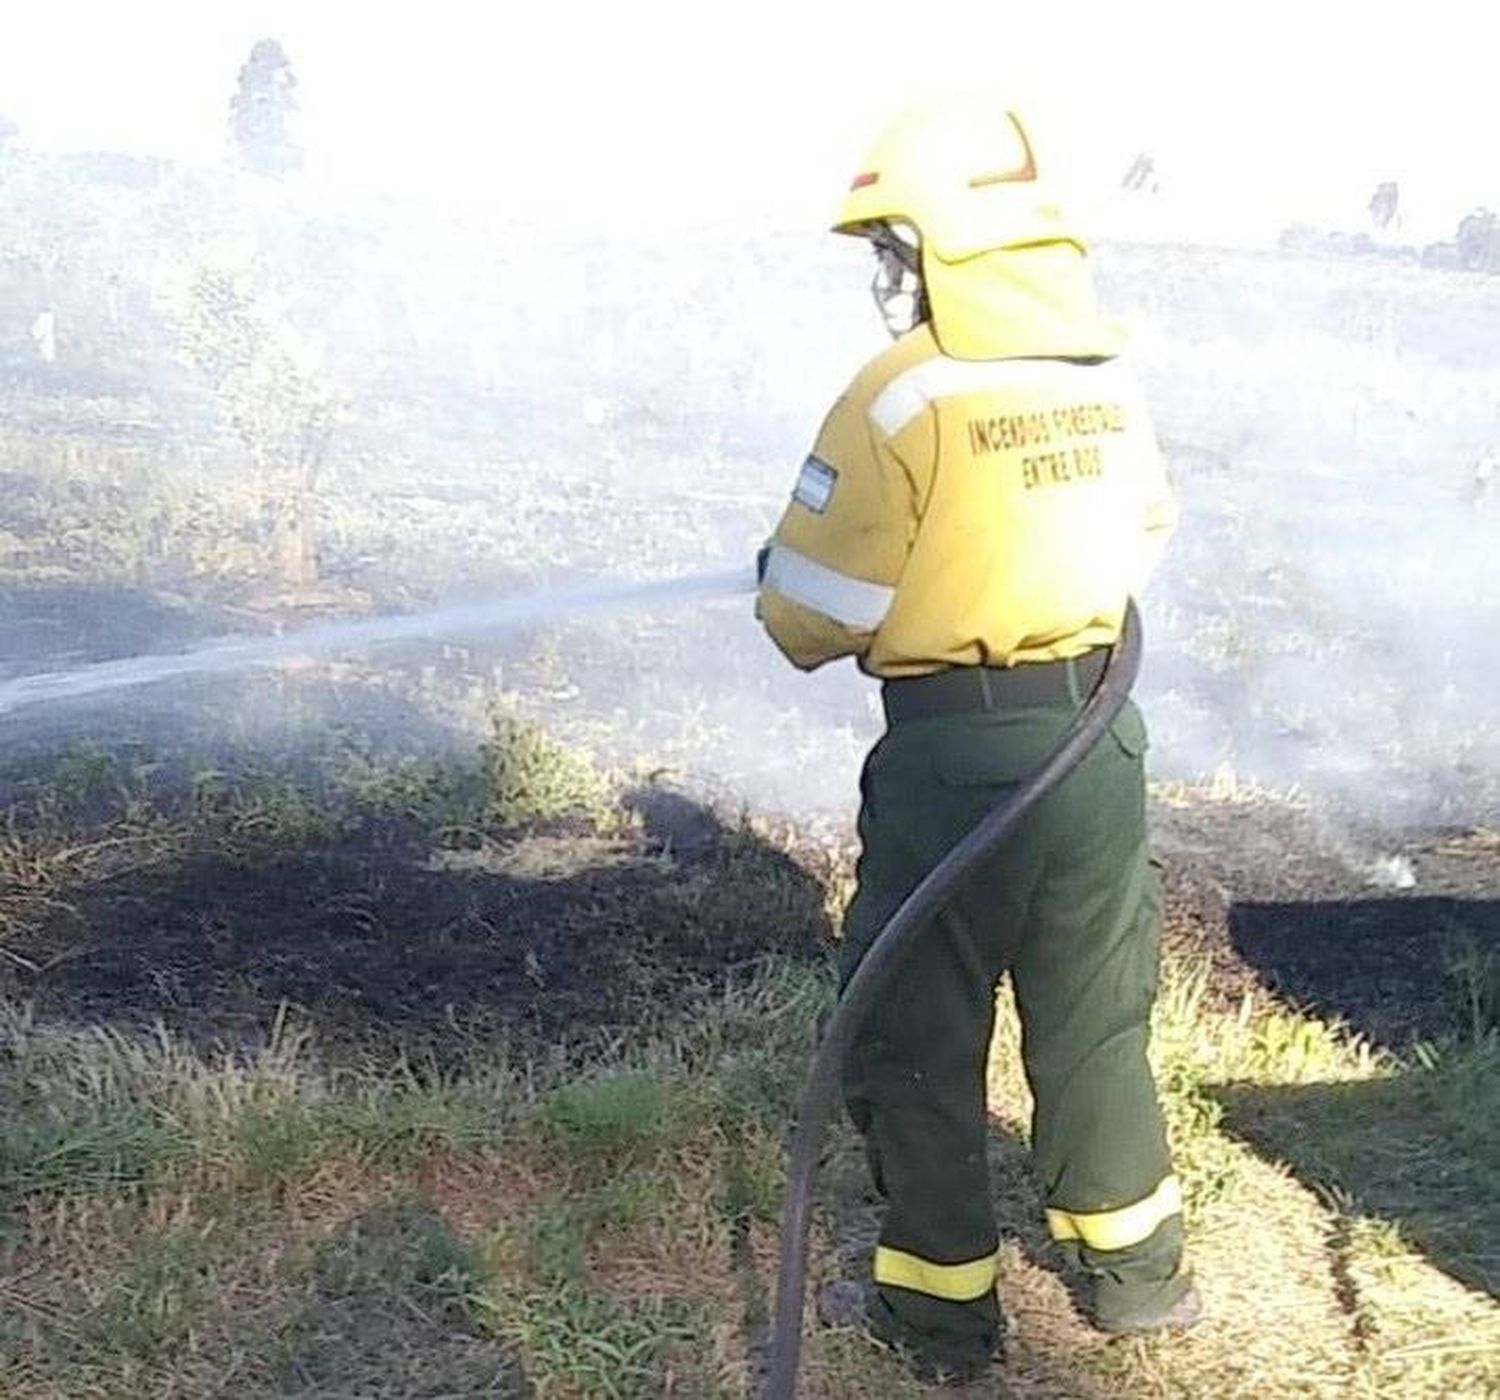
914, 1084
1085, 977
915, 1080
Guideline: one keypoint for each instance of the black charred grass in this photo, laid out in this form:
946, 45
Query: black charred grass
421, 909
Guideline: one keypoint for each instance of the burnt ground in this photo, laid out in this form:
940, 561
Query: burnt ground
559, 933
69, 623
369, 941
558, 936
1303, 905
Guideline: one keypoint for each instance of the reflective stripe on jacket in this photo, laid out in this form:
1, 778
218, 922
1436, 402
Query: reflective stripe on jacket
967, 511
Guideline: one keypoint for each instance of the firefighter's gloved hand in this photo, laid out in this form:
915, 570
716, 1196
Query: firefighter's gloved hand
761, 556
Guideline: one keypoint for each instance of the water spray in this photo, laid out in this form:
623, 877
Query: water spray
225, 655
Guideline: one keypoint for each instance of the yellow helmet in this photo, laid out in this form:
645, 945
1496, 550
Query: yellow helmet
962, 172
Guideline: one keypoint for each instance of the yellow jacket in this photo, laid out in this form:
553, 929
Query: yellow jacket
994, 509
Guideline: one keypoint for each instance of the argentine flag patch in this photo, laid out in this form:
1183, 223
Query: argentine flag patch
815, 485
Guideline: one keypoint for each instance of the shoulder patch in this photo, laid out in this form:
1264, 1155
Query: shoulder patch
815, 483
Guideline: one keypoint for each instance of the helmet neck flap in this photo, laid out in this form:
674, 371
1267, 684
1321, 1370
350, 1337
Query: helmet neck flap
969, 234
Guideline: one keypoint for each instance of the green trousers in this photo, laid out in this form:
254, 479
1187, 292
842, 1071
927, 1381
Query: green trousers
1070, 907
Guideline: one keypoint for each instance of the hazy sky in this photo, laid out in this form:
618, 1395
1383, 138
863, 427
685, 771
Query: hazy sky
657, 110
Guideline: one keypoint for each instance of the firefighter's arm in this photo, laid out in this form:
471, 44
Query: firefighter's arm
831, 567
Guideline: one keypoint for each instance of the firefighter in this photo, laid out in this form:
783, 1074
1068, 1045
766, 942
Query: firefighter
974, 514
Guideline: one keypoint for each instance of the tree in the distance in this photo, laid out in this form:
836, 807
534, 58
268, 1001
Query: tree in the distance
271, 392
262, 113
1478, 241
1385, 203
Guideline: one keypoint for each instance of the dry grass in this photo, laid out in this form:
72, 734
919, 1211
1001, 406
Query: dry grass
182, 1224
278, 1222
1306, 1294
620, 1230
1226, 787
1480, 843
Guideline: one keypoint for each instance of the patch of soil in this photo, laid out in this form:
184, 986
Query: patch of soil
366, 946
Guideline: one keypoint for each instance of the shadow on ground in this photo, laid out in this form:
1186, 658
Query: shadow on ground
1393, 970
387, 1311
1418, 1150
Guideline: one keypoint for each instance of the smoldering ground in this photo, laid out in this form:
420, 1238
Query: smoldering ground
1325, 617
453, 399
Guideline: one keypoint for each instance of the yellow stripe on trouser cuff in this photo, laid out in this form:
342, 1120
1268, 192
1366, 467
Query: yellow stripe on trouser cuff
1118, 1229
958, 1283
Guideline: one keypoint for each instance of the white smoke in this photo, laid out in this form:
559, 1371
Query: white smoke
577, 346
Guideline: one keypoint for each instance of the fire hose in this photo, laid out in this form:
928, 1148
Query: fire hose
911, 919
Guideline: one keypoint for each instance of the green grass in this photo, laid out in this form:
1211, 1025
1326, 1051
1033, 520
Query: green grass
1474, 971
102, 1113
532, 778
601, 1222
92, 1150
621, 1113
587, 1343
611, 1227
633, 1155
